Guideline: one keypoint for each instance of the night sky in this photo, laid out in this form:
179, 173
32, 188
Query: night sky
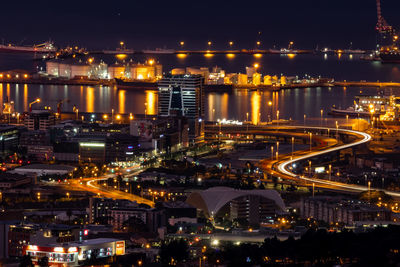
151, 24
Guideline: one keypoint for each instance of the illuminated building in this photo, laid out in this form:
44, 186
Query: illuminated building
40, 119
336, 209
183, 95
256, 78
267, 80
283, 80
9, 137
117, 70
255, 206
70, 254
178, 71
242, 79
199, 71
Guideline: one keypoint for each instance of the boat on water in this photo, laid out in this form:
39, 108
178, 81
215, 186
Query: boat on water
390, 56
351, 112
118, 51
159, 51
135, 84
46, 47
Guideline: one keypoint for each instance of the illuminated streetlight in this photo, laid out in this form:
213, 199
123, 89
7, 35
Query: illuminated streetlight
310, 142
272, 152
322, 114
209, 43
292, 146
330, 172
230, 43
37, 100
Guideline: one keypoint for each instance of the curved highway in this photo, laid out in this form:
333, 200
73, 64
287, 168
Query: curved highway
282, 167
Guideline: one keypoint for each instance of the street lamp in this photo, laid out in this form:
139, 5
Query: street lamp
305, 116
112, 116
322, 113
209, 43
277, 150
330, 172
292, 146
309, 167
272, 152
37, 100
182, 43
230, 43
310, 141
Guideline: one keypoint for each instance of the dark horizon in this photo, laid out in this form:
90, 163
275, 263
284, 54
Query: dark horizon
142, 25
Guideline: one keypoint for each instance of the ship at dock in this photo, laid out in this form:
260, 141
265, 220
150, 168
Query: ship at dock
385, 109
47, 47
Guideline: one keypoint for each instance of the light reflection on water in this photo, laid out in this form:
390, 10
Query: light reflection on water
293, 103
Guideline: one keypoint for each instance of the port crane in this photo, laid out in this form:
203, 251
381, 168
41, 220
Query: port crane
387, 34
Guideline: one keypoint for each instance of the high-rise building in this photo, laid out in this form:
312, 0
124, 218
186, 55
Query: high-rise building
183, 95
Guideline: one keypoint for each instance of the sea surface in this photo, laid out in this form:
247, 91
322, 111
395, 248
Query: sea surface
291, 103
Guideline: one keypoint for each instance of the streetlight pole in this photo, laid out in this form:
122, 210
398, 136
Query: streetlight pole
322, 113
310, 142
277, 150
309, 168
272, 152
37, 100
305, 120
247, 123
330, 172
292, 145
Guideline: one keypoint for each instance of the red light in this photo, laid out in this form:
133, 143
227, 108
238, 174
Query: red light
86, 232
20, 161
197, 239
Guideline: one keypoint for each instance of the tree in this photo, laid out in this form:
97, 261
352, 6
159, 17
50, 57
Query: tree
43, 262
177, 250
26, 261
135, 225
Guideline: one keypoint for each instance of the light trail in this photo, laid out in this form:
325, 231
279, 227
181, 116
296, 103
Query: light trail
283, 166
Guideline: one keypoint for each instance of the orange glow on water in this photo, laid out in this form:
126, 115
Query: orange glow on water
181, 55
121, 101
230, 55
208, 55
121, 56
257, 55
255, 107
90, 99
291, 56
151, 100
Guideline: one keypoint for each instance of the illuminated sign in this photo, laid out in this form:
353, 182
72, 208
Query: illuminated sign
73, 249
92, 144
319, 169
59, 249
31, 247
120, 248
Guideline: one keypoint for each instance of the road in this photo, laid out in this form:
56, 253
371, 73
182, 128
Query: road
90, 185
283, 170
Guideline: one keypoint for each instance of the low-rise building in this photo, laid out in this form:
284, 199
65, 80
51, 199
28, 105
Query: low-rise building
340, 210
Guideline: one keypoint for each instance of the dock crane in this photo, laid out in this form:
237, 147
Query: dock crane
387, 34
59, 105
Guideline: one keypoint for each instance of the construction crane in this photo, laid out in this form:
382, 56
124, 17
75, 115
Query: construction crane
59, 105
387, 34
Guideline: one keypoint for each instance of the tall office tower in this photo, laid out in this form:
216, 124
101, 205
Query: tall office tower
183, 95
